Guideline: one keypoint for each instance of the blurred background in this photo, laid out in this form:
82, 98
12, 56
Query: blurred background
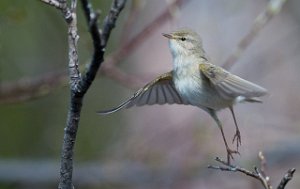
147, 147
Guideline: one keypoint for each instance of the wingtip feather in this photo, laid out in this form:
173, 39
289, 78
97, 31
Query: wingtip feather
113, 110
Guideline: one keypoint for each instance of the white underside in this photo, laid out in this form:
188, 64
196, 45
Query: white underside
188, 83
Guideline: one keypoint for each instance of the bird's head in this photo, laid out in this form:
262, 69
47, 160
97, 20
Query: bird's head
184, 42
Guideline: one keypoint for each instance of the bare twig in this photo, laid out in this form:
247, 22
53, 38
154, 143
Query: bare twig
287, 177
273, 8
233, 168
258, 174
80, 84
66, 169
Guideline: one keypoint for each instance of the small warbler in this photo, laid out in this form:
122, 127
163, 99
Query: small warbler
195, 81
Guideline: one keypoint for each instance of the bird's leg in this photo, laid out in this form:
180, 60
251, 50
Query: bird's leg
237, 135
229, 151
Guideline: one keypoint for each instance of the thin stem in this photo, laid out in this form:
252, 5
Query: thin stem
258, 174
80, 85
287, 177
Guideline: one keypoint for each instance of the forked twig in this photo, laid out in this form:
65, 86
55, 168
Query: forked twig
258, 173
81, 82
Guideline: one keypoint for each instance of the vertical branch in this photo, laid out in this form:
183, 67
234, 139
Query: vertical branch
73, 37
66, 169
286, 178
99, 39
70, 17
98, 56
80, 85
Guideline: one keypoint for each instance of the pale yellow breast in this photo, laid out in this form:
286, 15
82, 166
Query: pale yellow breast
198, 92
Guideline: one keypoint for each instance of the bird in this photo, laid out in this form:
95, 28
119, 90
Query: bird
195, 81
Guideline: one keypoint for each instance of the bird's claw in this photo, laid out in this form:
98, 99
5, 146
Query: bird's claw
230, 154
237, 138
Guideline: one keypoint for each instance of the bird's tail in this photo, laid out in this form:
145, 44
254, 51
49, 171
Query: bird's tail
253, 99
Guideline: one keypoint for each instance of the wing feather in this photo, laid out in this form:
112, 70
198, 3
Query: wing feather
168, 94
228, 85
158, 91
175, 96
161, 95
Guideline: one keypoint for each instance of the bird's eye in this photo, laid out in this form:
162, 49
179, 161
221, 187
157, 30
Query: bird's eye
183, 39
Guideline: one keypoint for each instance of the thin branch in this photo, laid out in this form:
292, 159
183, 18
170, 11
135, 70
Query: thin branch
273, 8
79, 85
99, 49
234, 168
258, 174
66, 169
74, 73
287, 177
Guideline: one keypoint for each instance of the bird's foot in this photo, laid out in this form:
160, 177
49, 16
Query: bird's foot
237, 138
230, 154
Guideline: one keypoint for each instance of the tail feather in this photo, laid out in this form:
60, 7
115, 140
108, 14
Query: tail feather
241, 99
253, 99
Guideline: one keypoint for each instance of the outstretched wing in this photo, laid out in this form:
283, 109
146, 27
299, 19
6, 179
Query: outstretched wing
158, 91
228, 85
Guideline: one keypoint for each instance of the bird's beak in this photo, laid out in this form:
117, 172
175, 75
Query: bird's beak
169, 36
